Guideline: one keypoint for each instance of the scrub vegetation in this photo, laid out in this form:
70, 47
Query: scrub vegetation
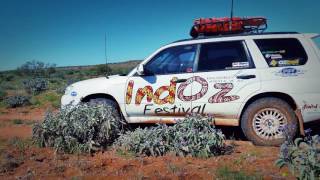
302, 157
81, 129
195, 136
87, 128
38, 84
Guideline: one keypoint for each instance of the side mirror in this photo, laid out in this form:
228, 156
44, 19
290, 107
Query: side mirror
140, 70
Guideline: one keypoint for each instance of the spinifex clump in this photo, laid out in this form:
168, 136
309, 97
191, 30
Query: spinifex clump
195, 136
83, 128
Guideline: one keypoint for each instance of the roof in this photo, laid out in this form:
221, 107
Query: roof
234, 35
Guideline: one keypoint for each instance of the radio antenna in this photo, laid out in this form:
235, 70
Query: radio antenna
231, 16
105, 53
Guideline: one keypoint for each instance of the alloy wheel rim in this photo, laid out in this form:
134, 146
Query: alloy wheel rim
269, 123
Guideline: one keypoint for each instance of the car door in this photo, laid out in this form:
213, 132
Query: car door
293, 69
155, 94
228, 76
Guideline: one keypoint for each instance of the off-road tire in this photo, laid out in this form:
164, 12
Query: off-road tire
266, 105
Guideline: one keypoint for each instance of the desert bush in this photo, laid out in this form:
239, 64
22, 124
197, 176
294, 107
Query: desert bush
195, 136
36, 85
301, 156
82, 128
17, 101
8, 77
36, 68
3, 94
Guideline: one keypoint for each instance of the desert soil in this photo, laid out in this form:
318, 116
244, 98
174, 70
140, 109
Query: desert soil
44, 163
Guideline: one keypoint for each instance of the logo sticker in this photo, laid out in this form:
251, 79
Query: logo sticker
273, 63
240, 64
273, 56
293, 62
73, 93
289, 72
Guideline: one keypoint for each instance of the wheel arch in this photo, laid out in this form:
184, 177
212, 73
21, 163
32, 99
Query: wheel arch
283, 96
100, 95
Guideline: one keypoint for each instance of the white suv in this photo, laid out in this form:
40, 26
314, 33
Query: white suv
264, 83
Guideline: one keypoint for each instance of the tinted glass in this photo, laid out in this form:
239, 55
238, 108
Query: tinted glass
223, 56
173, 60
282, 52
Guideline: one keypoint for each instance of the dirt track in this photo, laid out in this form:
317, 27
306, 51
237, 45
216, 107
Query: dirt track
44, 162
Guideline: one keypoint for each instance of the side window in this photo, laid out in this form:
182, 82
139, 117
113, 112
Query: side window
223, 56
282, 52
178, 59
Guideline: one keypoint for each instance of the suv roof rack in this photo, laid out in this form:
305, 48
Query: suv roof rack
233, 35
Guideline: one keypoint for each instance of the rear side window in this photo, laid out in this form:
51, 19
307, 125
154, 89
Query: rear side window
223, 56
282, 52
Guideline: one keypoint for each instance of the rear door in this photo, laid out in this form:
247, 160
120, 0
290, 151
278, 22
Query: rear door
227, 76
293, 69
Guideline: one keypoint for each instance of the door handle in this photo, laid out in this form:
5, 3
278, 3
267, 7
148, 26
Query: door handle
246, 76
180, 80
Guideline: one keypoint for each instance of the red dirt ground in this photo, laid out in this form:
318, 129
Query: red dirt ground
44, 163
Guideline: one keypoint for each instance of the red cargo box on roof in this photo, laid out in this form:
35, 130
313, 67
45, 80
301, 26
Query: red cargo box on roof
220, 26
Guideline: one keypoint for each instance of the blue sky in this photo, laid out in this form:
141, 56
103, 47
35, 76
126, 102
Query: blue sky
71, 32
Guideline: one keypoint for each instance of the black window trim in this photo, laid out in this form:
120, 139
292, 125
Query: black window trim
245, 47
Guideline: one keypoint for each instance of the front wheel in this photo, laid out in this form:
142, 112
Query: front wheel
108, 103
267, 121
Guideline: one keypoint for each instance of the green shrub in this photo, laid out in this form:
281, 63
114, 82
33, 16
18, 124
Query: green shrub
17, 101
8, 77
3, 94
195, 136
36, 68
225, 173
83, 128
17, 121
302, 156
35, 86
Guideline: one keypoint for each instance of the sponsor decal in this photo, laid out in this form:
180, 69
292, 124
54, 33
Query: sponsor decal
148, 91
175, 109
129, 92
201, 93
273, 63
240, 64
289, 72
273, 56
150, 95
311, 108
274, 52
221, 97
293, 62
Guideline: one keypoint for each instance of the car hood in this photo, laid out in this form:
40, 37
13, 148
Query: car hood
101, 83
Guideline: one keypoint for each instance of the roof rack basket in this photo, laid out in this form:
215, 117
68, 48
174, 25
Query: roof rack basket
223, 26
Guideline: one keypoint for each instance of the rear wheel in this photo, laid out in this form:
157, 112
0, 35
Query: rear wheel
265, 120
